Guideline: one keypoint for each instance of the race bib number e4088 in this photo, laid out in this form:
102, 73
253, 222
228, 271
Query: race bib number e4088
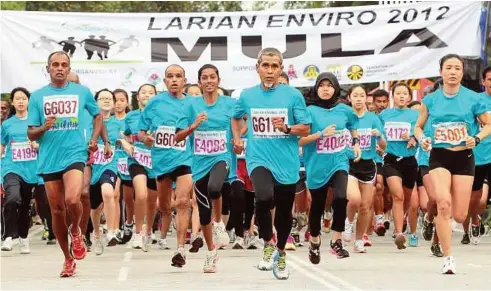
23, 152
210, 142
450, 132
332, 144
262, 122
395, 130
165, 138
61, 106
143, 157
123, 166
99, 157
243, 153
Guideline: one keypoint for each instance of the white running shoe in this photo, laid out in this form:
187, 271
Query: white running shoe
98, 245
211, 262
163, 244
448, 265
24, 246
348, 231
137, 241
238, 244
7, 244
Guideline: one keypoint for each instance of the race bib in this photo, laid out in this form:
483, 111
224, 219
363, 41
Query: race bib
243, 153
23, 152
395, 130
165, 138
123, 166
332, 144
210, 142
143, 157
99, 158
450, 132
262, 122
61, 106
365, 137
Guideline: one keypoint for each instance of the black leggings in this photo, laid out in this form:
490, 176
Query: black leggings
226, 198
270, 194
237, 208
339, 183
250, 198
43, 208
16, 207
209, 188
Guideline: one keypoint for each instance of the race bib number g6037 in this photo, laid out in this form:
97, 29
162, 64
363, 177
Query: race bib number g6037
99, 158
395, 130
123, 166
61, 106
165, 138
243, 153
262, 122
210, 142
450, 132
143, 157
23, 152
332, 144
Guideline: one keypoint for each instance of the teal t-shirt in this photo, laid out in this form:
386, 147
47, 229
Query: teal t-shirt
64, 144
396, 122
142, 154
328, 155
101, 163
368, 142
422, 156
482, 151
120, 155
267, 147
20, 157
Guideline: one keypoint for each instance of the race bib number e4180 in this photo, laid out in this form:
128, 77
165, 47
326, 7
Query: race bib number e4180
332, 144
210, 142
243, 153
394, 130
143, 157
23, 152
450, 132
165, 138
100, 158
123, 166
262, 122
61, 106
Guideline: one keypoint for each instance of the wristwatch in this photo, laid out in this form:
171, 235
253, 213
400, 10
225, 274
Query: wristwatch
355, 140
477, 140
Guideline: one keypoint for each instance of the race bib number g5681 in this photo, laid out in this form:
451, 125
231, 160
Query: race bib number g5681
123, 166
262, 122
450, 132
243, 153
143, 157
61, 106
210, 142
332, 144
23, 152
395, 130
99, 158
165, 138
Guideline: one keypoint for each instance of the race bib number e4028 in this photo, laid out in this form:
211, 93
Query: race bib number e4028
165, 138
23, 152
332, 144
262, 122
61, 106
143, 157
450, 132
210, 142
99, 157
243, 153
123, 166
394, 130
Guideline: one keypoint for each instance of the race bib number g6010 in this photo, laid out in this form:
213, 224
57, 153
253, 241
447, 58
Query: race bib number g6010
61, 106
243, 153
165, 138
143, 157
99, 157
450, 132
395, 130
23, 152
262, 122
210, 142
333, 143
123, 166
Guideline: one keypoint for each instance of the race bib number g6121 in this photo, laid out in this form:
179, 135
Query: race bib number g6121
395, 130
333, 143
450, 132
210, 142
99, 157
61, 106
143, 157
243, 153
165, 138
262, 122
23, 152
123, 166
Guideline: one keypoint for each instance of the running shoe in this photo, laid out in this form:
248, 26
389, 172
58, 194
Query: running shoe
348, 231
475, 234
77, 246
24, 246
380, 229
266, 262
448, 265
400, 241
127, 233
210, 262
359, 247
280, 270
98, 245
427, 229
196, 243
162, 243
179, 258
436, 250
465, 239
7, 244
413, 240
69, 268
238, 244
290, 244
315, 252
338, 249
296, 240
366, 241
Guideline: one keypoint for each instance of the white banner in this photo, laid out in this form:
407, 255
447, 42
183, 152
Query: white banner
358, 44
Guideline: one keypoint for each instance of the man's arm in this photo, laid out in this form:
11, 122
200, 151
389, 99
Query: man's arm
36, 132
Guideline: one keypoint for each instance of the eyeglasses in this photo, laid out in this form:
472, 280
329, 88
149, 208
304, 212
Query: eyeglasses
105, 99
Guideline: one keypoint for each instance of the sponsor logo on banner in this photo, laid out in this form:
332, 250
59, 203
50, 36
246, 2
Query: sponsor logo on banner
336, 70
355, 72
127, 77
153, 76
292, 73
311, 72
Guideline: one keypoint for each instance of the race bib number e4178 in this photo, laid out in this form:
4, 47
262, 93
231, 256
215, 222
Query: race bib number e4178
165, 138
332, 144
243, 153
450, 132
99, 157
23, 152
394, 130
210, 142
143, 157
262, 122
123, 166
61, 106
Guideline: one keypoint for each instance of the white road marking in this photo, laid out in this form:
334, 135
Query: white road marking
308, 274
123, 273
127, 257
474, 265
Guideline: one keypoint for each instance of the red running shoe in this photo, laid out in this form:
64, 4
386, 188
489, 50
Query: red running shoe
68, 268
77, 246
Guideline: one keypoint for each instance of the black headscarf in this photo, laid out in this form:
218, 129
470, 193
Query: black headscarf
312, 98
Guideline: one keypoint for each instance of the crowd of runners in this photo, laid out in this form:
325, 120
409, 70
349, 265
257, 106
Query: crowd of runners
268, 168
